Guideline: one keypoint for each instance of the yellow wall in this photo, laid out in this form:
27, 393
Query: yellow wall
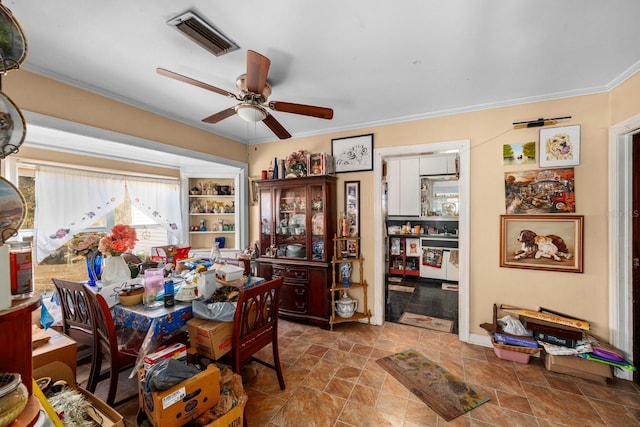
35, 93
583, 295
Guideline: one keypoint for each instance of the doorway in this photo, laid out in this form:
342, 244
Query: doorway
461, 147
621, 214
635, 250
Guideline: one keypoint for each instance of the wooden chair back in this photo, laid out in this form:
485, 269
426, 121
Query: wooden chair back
77, 318
106, 347
256, 325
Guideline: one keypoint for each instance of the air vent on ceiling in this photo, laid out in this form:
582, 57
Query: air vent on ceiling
194, 27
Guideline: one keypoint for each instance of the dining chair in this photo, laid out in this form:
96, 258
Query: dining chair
255, 325
106, 347
77, 318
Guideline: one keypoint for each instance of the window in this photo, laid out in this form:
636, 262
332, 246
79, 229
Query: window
150, 205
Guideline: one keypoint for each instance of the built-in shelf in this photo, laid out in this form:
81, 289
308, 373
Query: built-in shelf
212, 232
213, 214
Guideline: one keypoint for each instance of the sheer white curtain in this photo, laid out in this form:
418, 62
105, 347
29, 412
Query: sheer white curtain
68, 201
159, 199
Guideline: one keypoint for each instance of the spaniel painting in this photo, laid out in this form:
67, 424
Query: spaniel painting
536, 246
542, 242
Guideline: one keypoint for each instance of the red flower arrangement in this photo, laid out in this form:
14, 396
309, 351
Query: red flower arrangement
123, 238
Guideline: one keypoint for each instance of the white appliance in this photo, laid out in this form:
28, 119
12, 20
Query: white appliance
436, 261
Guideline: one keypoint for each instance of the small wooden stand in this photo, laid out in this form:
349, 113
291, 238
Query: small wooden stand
347, 249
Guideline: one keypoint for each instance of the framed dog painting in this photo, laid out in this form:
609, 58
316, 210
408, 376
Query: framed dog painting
542, 242
560, 146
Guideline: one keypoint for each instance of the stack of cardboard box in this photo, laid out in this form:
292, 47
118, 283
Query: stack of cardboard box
562, 330
195, 399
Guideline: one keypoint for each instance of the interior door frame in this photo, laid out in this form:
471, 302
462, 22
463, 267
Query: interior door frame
620, 224
462, 147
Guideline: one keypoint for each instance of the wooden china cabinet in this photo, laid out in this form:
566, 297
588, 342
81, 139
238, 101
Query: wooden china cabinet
297, 223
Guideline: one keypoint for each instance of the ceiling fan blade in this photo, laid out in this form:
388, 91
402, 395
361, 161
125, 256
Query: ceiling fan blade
305, 110
257, 70
221, 115
185, 79
276, 127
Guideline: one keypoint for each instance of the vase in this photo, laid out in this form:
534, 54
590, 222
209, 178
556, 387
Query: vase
94, 267
116, 271
346, 306
345, 273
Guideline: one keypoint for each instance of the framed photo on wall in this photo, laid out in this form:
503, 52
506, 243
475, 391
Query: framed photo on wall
352, 206
542, 242
560, 146
353, 154
540, 191
254, 195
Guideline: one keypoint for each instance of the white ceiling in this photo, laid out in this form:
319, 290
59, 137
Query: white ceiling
373, 61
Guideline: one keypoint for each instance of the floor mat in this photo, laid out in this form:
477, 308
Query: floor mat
401, 288
442, 391
426, 322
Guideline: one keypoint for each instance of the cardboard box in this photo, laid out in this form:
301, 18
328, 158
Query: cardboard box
176, 351
184, 401
578, 367
233, 418
233, 393
320, 164
229, 272
210, 338
104, 414
59, 348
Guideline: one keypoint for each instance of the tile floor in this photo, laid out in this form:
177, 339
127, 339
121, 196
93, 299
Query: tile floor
333, 380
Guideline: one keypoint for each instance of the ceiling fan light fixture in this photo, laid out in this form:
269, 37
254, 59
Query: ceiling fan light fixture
251, 113
203, 33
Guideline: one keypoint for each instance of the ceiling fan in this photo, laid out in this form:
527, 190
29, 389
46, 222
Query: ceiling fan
253, 92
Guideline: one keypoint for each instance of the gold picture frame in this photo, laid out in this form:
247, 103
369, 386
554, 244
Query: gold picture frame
542, 242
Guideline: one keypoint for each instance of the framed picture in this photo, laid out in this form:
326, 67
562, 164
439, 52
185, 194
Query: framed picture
542, 242
353, 154
519, 154
352, 248
540, 191
352, 206
560, 146
254, 195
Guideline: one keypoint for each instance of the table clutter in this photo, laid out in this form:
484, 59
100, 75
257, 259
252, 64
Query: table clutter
563, 341
160, 303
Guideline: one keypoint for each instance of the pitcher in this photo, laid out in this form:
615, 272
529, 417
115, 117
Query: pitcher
153, 286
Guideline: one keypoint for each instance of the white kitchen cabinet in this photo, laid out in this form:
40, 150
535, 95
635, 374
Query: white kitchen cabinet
438, 164
403, 187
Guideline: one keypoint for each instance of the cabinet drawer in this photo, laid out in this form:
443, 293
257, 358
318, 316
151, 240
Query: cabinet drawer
294, 298
299, 273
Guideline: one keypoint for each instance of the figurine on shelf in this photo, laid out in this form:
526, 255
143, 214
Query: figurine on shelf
203, 227
195, 207
345, 273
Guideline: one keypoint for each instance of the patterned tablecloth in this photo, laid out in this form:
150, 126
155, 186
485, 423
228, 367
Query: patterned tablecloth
158, 322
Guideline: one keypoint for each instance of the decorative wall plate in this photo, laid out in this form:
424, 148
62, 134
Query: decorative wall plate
12, 126
13, 44
13, 210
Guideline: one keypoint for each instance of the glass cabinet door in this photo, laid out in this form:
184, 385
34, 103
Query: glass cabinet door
291, 222
266, 221
318, 232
